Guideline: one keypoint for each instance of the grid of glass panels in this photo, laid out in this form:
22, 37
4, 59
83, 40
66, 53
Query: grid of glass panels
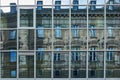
59, 39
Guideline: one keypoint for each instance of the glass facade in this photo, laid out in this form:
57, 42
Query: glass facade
60, 39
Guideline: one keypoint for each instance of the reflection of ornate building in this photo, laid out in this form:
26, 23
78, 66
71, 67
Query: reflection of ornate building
82, 41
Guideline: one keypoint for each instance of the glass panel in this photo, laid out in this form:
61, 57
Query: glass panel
112, 38
112, 64
6, 2
13, 73
26, 66
96, 16
43, 61
61, 63
95, 64
96, 38
78, 64
12, 34
9, 64
112, 16
80, 2
44, 17
44, 40
8, 40
78, 41
63, 2
47, 2
8, 18
26, 39
13, 56
61, 19
24, 2
26, 17
61, 39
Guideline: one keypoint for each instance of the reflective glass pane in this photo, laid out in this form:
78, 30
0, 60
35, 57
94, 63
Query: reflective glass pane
43, 61
96, 38
26, 66
78, 64
9, 64
61, 39
112, 64
112, 20
26, 39
25, 2
7, 2
61, 19
95, 64
8, 17
78, 39
44, 39
26, 17
8, 39
60, 65
112, 37
43, 19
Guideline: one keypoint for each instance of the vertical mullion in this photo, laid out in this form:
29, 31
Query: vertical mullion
34, 25
18, 25
87, 43
105, 41
70, 40
52, 40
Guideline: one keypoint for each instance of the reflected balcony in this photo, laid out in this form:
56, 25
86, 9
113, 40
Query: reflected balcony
59, 43
112, 43
76, 42
10, 44
93, 42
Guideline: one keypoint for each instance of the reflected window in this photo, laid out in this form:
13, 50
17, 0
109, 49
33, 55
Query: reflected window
110, 32
75, 4
22, 60
12, 34
92, 7
57, 5
40, 53
92, 54
111, 5
58, 31
57, 73
57, 57
75, 72
75, 30
39, 5
110, 54
40, 32
75, 56
13, 73
13, 56
92, 31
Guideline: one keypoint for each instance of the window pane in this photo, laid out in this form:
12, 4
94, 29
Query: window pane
26, 39
13, 56
12, 34
40, 32
78, 64
13, 73
26, 17
24, 2
96, 64
112, 64
60, 66
43, 64
9, 64
8, 39
26, 66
